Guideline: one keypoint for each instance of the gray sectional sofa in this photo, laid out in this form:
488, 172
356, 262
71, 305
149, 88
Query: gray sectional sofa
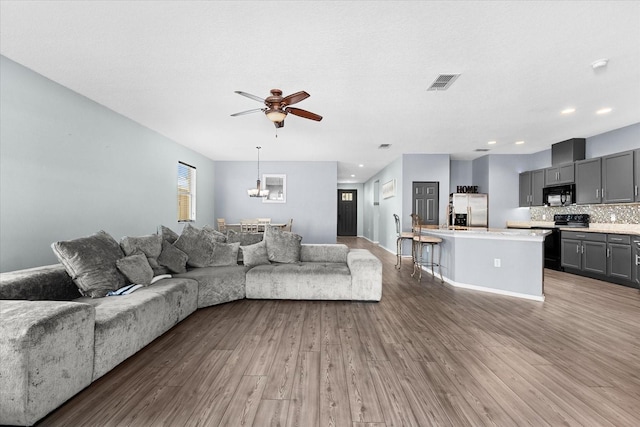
53, 343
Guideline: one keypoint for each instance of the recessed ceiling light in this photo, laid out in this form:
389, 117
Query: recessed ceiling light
519, 142
568, 111
492, 142
353, 176
360, 166
603, 110
599, 63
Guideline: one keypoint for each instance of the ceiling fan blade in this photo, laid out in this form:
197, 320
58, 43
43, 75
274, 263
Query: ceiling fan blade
248, 95
304, 113
294, 98
242, 113
279, 124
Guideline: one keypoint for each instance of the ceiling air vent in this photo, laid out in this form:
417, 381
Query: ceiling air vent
443, 81
384, 146
482, 149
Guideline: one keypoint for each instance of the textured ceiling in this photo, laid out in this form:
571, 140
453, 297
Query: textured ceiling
173, 66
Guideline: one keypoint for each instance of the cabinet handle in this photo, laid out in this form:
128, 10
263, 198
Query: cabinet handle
597, 193
582, 249
577, 249
580, 236
636, 190
616, 239
602, 192
608, 253
637, 259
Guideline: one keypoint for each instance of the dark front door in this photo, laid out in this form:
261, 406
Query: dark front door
425, 201
347, 212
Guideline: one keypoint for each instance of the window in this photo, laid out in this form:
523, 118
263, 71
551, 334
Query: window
186, 192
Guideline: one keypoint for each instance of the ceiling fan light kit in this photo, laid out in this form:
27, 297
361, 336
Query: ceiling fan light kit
278, 107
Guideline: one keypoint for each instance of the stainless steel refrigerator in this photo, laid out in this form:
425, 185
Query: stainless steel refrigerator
469, 210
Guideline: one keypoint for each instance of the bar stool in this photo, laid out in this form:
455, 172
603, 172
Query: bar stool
402, 236
419, 242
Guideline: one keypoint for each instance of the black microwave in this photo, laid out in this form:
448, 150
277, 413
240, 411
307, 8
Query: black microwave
560, 195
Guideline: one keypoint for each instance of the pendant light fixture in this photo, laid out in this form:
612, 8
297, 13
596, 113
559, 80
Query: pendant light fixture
258, 192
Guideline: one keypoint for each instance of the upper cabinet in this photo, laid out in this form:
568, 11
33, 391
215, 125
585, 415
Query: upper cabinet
617, 178
589, 181
531, 184
636, 168
557, 175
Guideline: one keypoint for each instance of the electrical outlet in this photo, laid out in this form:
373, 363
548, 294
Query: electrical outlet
613, 217
496, 262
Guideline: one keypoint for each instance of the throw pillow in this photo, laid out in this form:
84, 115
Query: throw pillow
243, 237
91, 263
150, 245
224, 254
173, 258
197, 245
136, 268
282, 246
168, 234
214, 234
255, 254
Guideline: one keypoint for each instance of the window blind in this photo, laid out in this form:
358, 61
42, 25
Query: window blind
186, 192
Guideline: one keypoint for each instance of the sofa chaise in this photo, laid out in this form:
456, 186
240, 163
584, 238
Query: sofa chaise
54, 343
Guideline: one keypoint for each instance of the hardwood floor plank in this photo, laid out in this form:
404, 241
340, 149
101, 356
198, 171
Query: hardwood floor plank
334, 396
394, 404
280, 377
272, 413
305, 396
363, 399
371, 341
329, 319
244, 404
268, 346
312, 327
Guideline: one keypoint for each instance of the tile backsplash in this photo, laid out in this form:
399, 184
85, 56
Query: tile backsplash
625, 213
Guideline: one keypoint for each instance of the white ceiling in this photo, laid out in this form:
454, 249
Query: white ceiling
173, 66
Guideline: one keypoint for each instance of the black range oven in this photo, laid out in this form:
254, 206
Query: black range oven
552, 244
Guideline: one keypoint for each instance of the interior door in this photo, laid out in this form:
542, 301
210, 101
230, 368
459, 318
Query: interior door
347, 212
425, 201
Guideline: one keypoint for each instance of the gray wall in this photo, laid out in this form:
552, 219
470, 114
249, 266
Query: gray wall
623, 139
460, 174
70, 167
379, 223
360, 205
311, 196
504, 189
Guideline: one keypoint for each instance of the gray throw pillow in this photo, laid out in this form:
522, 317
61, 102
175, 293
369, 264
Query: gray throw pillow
91, 263
282, 246
224, 254
243, 237
197, 245
150, 245
255, 254
214, 234
168, 234
173, 258
136, 268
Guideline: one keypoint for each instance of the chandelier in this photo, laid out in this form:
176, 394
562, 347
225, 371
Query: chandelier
258, 192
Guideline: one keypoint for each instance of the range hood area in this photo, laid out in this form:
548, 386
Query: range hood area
568, 151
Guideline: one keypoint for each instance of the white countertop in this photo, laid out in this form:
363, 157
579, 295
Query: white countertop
491, 233
594, 227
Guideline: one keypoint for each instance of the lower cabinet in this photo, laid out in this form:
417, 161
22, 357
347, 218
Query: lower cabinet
602, 256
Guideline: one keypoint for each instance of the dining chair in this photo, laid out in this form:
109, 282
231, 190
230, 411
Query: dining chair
288, 225
249, 225
222, 226
401, 237
262, 223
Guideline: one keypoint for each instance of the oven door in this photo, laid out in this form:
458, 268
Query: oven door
552, 249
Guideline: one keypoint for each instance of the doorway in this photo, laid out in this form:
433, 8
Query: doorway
425, 201
347, 212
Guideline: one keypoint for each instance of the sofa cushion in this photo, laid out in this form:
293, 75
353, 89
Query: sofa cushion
168, 234
197, 244
172, 258
282, 246
136, 268
150, 245
224, 254
302, 280
214, 234
255, 254
331, 252
217, 285
47, 283
91, 263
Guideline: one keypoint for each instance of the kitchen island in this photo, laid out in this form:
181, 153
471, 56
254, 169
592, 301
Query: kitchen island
504, 261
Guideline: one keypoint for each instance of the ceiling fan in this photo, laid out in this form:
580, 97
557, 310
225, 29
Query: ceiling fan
278, 107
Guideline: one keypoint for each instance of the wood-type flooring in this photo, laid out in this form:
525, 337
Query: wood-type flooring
426, 354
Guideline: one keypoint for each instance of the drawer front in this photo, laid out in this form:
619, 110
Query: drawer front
592, 237
619, 238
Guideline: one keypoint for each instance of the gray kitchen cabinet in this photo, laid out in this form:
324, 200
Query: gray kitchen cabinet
636, 168
594, 257
557, 175
584, 251
531, 185
570, 253
588, 181
617, 178
619, 257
